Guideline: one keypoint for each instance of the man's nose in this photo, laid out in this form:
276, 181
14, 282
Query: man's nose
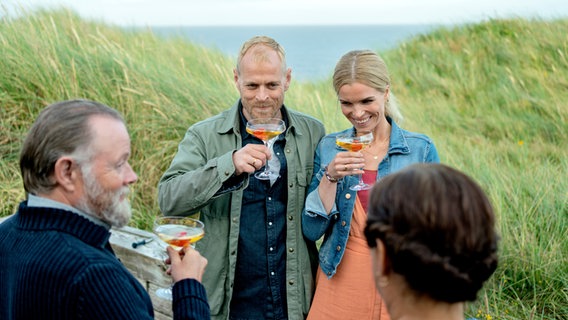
131, 176
262, 94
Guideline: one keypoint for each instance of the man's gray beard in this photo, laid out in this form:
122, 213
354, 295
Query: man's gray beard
105, 205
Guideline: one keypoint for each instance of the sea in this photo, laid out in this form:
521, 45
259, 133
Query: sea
311, 51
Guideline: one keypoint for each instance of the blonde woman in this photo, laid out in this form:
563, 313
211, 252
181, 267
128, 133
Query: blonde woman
344, 285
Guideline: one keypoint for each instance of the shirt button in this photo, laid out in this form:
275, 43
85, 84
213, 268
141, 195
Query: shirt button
271, 249
291, 249
290, 218
291, 282
233, 253
343, 223
235, 219
288, 151
272, 273
329, 273
270, 223
269, 198
338, 248
291, 185
348, 196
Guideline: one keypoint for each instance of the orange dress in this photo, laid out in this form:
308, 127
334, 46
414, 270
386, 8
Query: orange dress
351, 292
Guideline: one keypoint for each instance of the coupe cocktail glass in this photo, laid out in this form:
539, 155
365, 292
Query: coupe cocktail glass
353, 142
177, 232
266, 129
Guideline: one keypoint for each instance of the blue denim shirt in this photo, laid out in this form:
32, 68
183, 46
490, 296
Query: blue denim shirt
405, 148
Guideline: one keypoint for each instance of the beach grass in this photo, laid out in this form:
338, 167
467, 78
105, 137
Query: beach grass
492, 95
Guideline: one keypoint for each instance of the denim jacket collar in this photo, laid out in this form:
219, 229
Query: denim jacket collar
398, 143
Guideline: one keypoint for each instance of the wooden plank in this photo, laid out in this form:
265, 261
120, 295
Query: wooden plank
146, 262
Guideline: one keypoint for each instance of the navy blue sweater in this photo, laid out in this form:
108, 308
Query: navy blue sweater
55, 264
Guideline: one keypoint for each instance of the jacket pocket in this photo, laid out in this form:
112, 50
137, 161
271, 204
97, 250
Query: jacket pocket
302, 182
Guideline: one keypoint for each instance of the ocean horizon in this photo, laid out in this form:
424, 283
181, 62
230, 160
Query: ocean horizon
311, 51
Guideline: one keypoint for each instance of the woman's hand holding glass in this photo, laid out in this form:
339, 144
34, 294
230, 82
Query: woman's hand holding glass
346, 163
352, 161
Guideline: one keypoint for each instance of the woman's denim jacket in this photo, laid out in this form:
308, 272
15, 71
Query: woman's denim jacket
405, 148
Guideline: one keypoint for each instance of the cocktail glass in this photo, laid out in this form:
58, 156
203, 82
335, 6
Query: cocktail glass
266, 129
177, 232
354, 142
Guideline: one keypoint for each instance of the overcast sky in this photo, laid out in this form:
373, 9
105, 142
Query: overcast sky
299, 12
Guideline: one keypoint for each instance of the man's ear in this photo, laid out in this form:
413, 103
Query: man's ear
236, 77
66, 173
288, 79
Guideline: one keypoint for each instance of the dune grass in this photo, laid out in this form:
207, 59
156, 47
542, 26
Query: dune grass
492, 95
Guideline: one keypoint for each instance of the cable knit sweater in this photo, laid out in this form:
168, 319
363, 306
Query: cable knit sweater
55, 264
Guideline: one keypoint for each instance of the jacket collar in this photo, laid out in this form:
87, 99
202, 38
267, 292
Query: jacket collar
398, 143
44, 218
231, 122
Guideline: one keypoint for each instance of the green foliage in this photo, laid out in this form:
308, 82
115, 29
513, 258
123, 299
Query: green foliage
492, 96
159, 86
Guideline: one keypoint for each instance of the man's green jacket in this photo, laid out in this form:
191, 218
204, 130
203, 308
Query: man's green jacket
194, 183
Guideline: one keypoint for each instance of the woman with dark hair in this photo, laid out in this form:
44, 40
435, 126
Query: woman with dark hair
432, 250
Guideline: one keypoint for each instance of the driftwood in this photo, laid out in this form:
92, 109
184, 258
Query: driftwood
145, 262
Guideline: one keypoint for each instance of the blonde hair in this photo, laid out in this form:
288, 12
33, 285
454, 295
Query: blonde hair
366, 67
260, 54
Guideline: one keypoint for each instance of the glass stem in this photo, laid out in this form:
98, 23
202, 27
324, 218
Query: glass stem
267, 144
